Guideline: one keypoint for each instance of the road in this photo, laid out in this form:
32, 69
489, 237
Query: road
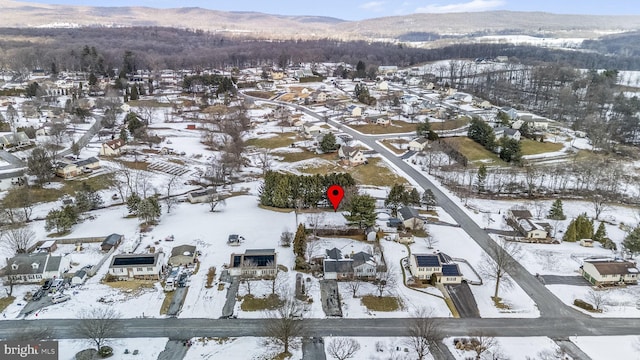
313, 349
180, 328
548, 304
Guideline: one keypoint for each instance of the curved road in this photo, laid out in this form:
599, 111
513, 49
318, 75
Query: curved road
548, 304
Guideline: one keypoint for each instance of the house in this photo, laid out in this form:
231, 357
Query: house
351, 156
79, 277
405, 237
435, 266
383, 121
413, 81
462, 97
586, 242
254, 263
341, 269
521, 221
394, 222
319, 96
418, 144
137, 266
35, 267
485, 105
387, 70
609, 271
183, 255
234, 240
363, 265
276, 74
200, 196
411, 219
509, 133
383, 86
66, 168
312, 130
533, 121
511, 112
371, 234
111, 241
19, 138
112, 148
48, 246
334, 254
354, 110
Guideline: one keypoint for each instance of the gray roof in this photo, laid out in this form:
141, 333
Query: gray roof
521, 214
421, 140
112, 240
24, 262
180, 250
339, 266
334, 254
510, 131
88, 161
260, 251
204, 192
80, 273
408, 213
54, 263
360, 258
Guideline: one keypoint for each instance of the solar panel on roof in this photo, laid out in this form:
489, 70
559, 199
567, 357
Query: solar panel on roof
137, 260
427, 260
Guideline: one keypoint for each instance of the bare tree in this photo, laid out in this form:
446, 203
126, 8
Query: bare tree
501, 259
246, 277
431, 241
286, 238
599, 298
539, 208
599, 205
385, 279
98, 325
277, 281
214, 199
284, 326
354, 286
264, 160
169, 200
312, 246
342, 348
18, 239
314, 220
483, 343
423, 329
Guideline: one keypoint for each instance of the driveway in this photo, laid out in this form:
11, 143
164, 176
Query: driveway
563, 280
230, 303
33, 306
330, 297
313, 349
174, 350
176, 302
464, 301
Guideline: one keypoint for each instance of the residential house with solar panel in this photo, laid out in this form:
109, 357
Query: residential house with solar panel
257, 263
436, 266
137, 266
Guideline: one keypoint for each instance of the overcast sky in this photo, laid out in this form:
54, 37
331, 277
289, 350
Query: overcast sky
362, 9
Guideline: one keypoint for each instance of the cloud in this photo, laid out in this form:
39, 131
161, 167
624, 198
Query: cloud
470, 6
375, 6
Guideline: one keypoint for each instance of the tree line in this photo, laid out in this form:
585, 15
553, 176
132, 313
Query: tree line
299, 191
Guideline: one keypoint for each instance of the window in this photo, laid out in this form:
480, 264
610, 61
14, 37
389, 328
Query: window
149, 269
139, 269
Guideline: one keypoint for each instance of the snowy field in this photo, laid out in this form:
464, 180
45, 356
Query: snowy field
148, 348
609, 347
510, 348
245, 348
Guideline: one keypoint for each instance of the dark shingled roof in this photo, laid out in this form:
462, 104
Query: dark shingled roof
334, 254
408, 213
341, 266
134, 260
427, 260
613, 267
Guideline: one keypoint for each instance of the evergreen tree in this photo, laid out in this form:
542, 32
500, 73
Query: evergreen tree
75, 148
424, 128
123, 135
482, 133
584, 227
93, 80
133, 123
361, 211
601, 234
395, 198
511, 150
149, 210
40, 164
556, 212
133, 202
429, 199
361, 69
481, 177
414, 197
133, 95
570, 234
632, 241
300, 241
87, 198
328, 143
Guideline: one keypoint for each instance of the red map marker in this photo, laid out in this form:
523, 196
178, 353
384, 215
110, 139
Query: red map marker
335, 193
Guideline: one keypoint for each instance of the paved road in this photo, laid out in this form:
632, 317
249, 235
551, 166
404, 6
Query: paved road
548, 304
179, 328
440, 351
313, 349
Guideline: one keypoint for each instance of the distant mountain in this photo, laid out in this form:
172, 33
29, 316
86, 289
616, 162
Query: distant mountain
19, 14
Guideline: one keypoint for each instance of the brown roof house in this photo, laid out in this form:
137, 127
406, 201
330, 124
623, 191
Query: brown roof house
609, 271
183, 255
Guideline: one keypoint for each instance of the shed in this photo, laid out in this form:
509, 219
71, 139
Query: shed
48, 246
79, 277
111, 241
183, 255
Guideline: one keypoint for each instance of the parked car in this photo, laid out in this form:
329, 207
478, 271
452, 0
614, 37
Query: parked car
38, 295
46, 285
58, 298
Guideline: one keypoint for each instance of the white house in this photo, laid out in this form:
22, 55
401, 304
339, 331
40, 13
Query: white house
387, 70
609, 271
364, 265
383, 86
426, 266
351, 156
79, 277
137, 266
411, 219
418, 144
509, 133
33, 268
383, 121
112, 148
311, 129
354, 110
200, 196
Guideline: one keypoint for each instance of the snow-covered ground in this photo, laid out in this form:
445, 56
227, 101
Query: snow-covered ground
249, 348
609, 347
148, 348
510, 348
